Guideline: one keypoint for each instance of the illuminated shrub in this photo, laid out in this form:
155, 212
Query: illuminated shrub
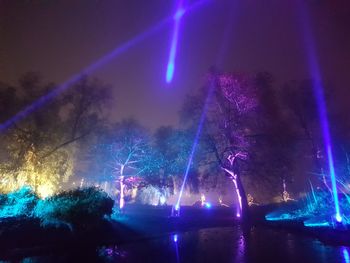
18, 203
316, 210
75, 207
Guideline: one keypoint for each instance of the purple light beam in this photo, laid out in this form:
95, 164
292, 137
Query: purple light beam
321, 105
195, 143
227, 32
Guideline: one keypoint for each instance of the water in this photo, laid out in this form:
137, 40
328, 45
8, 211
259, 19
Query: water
230, 245
224, 244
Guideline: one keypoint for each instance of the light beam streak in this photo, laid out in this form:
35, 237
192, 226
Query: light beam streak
94, 66
195, 143
173, 48
227, 32
321, 105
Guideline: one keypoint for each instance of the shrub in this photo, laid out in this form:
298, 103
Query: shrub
18, 203
75, 207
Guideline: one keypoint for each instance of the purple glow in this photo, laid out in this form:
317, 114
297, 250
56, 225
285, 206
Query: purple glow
321, 105
171, 62
239, 198
179, 13
231, 158
175, 239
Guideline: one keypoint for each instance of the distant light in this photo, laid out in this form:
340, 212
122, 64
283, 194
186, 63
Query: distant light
208, 205
170, 72
338, 218
175, 238
177, 207
179, 13
162, 200
238, 215
174, 40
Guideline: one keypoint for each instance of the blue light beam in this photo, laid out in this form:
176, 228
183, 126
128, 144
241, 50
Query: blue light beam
321, 105
173, 48
195, 143
227, 33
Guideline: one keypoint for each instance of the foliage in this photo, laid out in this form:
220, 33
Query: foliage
317, 207
18, 203
75, 206
175, 146
40, 150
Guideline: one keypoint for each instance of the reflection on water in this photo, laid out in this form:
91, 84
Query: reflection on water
231, 244
175, 239
234, 245
346, 255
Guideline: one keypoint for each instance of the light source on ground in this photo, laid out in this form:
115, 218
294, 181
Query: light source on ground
175, 237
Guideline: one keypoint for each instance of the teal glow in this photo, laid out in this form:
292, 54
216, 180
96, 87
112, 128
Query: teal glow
316, 224
275, 216
346, 255
173, 48
18, 203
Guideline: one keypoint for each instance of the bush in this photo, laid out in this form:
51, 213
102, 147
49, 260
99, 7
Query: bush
18, 203
75, 207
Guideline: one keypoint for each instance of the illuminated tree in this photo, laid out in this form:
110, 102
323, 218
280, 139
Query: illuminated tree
41, 148
125, 154
240, 130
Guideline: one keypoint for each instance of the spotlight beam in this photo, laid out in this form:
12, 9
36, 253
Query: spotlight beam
173, 48
321, 105
195, 143
92, 68
227, 33
88, 70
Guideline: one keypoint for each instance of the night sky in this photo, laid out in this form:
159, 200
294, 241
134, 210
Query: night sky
59, 38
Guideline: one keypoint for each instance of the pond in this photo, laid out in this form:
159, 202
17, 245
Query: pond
231, 245
223, 244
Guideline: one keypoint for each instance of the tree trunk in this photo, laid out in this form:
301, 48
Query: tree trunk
121, 198
122, 186
244, 201
242, 211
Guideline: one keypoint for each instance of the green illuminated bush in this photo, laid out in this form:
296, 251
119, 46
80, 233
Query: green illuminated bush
75, 207
19, 203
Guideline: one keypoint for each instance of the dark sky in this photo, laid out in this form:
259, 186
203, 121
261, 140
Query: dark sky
60, 37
